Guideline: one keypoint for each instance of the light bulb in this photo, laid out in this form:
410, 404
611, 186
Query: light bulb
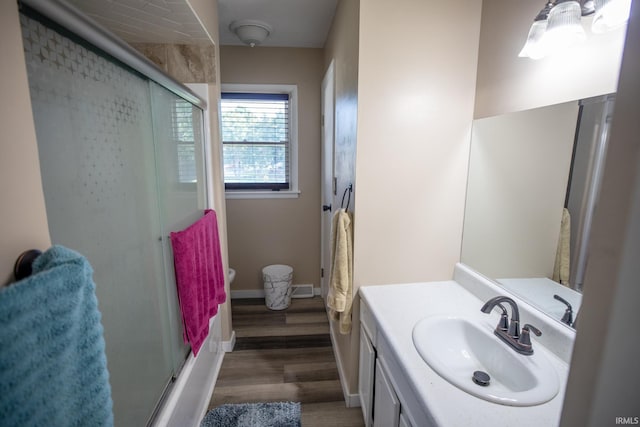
534, 47
610, 14
564, 28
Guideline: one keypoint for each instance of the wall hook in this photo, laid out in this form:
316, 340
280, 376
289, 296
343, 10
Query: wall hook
349, 190
22, 267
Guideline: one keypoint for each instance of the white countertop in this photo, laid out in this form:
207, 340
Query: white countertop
397, 308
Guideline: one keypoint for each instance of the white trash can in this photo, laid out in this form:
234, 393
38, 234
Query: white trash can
277, 286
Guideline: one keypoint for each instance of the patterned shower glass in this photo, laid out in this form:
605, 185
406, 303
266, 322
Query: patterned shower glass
121, 163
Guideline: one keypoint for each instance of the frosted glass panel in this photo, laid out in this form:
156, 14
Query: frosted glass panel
177, 128
95, 130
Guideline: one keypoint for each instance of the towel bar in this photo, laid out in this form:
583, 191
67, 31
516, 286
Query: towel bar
22, 268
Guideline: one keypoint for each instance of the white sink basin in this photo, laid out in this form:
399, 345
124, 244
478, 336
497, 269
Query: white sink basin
456, 347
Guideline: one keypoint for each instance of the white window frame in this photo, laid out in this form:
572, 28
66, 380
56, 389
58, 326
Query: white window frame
293, 191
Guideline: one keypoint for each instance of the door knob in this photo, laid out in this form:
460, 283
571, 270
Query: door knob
326, 208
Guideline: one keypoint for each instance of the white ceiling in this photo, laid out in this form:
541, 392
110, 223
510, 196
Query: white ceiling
295, 23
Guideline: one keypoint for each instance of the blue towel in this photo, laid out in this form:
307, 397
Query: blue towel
53, 368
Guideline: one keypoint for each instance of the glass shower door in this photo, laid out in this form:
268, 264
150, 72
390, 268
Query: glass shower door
116, 181
179, 154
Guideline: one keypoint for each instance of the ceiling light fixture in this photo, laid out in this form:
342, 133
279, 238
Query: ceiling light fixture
558, 26
250, 32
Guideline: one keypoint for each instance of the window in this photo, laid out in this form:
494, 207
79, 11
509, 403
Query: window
183, 134
258, 136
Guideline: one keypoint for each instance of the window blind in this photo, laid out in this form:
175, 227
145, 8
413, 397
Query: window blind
184, 138
256, 140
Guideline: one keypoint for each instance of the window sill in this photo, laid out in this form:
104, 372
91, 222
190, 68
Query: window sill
245, 194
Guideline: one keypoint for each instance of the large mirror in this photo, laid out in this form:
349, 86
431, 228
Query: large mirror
532, 190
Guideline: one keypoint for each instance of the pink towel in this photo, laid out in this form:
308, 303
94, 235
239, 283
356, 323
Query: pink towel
199, 276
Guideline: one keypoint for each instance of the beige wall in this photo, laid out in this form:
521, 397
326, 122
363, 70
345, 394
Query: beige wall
415, 106
23, 223
508, 83
279, 231
604, 381
342, 48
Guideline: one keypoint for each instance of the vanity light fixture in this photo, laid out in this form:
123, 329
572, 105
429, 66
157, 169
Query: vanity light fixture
534, 47
564, 28
558, 26
250, 32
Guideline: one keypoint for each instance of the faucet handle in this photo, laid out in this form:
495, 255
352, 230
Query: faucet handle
514, 329
503, 325
525, 338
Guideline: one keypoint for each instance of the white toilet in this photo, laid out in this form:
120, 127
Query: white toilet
232, 275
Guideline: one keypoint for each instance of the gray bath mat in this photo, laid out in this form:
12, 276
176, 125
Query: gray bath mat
277, 414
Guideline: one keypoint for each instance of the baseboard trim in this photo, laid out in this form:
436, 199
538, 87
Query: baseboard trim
227, 346
247, 293
259, 293
351, 400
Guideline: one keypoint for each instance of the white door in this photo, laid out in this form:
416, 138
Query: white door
327, 186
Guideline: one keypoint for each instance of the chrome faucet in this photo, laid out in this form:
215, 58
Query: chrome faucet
509, 331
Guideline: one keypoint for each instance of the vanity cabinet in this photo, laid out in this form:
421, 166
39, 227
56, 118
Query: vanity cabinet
379, 398
408, 393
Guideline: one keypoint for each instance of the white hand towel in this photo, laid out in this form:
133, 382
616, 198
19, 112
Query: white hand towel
340, 295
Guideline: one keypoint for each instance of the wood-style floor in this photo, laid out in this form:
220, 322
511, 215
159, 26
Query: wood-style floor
284, 356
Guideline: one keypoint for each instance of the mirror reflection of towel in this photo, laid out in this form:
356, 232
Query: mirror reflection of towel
563, 255
340, 295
